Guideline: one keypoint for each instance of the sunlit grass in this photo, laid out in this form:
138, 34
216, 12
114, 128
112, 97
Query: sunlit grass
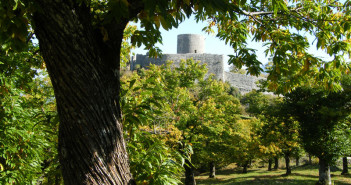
303, 175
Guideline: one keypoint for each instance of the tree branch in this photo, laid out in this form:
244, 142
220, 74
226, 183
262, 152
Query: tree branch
267, 13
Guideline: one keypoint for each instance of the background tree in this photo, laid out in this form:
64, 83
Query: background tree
292, 64
217, 115
255, 102
164, 100
159, 100
321, 116
346, 84
281, 132
246, 143
152, 159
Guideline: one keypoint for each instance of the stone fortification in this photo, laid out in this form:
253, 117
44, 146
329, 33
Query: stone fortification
214, 62
192, 46
190, 43
244, 83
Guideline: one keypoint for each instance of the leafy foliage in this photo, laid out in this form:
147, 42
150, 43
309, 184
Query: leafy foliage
166, 102
126, 46
152, 161
246, 142
150, 101
280, 133
256, 102
287, 28
320, 115
29, 122
217, 116
281, 129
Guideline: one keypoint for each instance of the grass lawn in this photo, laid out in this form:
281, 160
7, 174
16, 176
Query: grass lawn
302, 175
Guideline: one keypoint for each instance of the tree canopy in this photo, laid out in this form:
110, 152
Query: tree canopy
323, 128
287, 28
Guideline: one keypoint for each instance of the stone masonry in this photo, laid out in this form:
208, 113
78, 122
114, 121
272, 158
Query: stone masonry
214, 62
192, 46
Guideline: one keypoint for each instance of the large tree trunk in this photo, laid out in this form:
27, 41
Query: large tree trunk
270, 161
212, 169
287, 165
324, 173
189, 173
345, 169
276, 163
84, 69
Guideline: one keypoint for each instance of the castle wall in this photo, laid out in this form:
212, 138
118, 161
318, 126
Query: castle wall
193, 46
214, 62
244, 83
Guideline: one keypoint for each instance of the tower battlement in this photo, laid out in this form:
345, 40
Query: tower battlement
190, 43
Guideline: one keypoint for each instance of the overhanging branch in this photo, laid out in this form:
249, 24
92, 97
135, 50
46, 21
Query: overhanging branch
269, 12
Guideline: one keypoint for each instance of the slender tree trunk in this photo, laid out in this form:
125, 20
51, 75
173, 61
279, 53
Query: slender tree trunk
270, 161
212, 169
310, 159
345, 169
287, 165
246, 163
324, 173
276, 163
297, 161
189, 173
84, 69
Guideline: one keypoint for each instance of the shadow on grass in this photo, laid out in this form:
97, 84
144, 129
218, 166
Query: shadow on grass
235, 171
304, 175
257, 181
346, 175
255, 178
260, 176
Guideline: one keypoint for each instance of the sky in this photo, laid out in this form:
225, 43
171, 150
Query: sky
213, 45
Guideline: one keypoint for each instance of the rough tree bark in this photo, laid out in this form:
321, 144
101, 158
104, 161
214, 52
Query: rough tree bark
287, 165
84, 69
276, 163
212, 170
270, 161
324, 173
345, 169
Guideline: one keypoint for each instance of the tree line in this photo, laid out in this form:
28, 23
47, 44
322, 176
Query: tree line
177, 123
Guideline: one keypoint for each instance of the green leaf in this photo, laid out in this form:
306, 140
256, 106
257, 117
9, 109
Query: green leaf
132, 83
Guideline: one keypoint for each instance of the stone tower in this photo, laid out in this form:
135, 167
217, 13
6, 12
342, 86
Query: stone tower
190, 43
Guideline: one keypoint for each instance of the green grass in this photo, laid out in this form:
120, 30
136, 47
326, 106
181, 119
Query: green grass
303, 175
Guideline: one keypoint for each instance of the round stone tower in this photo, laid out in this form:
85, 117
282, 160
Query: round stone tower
190, 43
